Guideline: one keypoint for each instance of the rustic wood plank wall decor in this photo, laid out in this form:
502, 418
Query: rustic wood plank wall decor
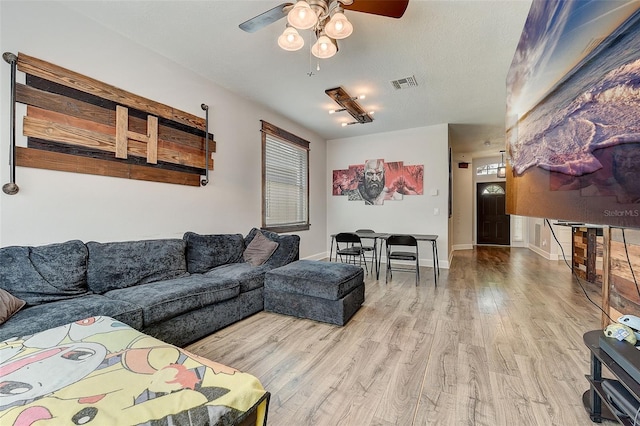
624, 272
77, 124
587, 253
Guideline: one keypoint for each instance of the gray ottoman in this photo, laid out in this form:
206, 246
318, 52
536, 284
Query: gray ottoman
321, 291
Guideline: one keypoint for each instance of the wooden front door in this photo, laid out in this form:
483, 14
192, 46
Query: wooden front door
493, 223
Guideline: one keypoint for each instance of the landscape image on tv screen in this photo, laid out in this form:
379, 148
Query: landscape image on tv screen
573, 113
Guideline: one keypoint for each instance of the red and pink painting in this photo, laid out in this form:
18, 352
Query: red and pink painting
375, 181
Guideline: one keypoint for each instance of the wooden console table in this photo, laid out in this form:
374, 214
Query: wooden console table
594, 399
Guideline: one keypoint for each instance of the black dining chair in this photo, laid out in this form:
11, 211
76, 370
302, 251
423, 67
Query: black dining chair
349, 245
403, 242
371, 249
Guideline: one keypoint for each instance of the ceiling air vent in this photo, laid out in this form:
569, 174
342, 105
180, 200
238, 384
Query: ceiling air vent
404, 83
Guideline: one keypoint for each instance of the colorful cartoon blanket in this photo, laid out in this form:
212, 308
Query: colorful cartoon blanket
100, 371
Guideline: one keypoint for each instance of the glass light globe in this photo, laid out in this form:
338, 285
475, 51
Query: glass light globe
290, 40
323, 48
302, 16
338, 27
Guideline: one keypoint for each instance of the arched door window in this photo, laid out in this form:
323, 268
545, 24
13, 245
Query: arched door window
493, 189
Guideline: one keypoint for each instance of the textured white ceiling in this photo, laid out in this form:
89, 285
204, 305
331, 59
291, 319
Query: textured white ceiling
458, 50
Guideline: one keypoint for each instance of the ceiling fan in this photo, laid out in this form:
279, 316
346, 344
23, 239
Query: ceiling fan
325, 17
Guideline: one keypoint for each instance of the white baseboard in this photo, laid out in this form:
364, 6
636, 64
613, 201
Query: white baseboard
319, 256
543, 253
462, 247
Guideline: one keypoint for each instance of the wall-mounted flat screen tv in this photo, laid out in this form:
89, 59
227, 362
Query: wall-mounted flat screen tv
573, 113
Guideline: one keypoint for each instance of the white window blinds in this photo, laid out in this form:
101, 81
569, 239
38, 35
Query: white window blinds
286, 180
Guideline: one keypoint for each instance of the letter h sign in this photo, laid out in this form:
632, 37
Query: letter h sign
123, 135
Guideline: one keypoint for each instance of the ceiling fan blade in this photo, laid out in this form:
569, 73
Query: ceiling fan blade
266, 18
390, 8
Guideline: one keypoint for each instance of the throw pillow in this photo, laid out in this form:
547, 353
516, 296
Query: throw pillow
9, 305
259, 250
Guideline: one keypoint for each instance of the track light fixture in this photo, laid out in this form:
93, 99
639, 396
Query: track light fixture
325, 18
350, 104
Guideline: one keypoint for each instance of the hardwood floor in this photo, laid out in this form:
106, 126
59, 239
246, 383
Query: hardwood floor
498, 342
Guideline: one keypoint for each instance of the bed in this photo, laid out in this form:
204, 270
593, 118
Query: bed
100, 371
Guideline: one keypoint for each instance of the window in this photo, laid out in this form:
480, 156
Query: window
517, 229
489, 169
285, 180
493, 189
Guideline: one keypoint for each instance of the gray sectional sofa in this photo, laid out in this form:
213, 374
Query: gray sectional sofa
178, 290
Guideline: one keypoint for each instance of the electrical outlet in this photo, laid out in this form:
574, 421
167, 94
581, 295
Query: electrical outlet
544, 243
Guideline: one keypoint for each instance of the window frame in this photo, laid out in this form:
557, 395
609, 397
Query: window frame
493, 189
488, 169
283, 136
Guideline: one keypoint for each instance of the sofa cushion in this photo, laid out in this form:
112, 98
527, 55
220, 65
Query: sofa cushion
250, 277
324, 280
205, 252
259, 250
163, 300
287, 251
125, 264
45, 273
9, 305
37, 318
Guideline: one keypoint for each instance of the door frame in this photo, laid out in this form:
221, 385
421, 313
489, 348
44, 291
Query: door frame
477, 185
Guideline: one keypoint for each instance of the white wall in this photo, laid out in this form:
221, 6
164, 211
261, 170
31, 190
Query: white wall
546, 245
4, 136
414, 214
463, 204
57, 206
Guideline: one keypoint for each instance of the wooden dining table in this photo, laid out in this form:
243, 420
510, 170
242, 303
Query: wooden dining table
383, 236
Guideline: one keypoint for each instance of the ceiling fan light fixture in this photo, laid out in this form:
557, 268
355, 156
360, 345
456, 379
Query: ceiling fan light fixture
302, 16
323, 17
290, 40
324, 48
339, 26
